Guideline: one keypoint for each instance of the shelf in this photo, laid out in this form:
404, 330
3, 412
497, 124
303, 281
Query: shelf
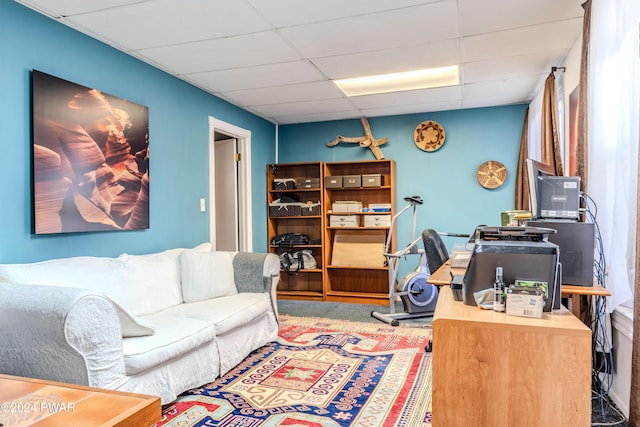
382, 187
357, 228
340, 267
295, 247
297, 217
358, 213
296, 190
307, 270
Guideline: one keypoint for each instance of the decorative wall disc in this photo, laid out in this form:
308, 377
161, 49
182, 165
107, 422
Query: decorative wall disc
492, 174
429, 135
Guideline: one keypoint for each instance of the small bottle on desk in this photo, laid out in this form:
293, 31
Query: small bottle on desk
498, 291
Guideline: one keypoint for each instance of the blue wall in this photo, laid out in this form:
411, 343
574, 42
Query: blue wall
446, 180
178, 128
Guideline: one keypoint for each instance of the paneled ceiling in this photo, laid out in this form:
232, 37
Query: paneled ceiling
276, 58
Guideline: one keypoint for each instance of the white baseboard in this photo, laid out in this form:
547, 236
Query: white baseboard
622, 331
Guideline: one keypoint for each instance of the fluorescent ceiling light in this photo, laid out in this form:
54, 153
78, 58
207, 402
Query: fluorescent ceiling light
396, 82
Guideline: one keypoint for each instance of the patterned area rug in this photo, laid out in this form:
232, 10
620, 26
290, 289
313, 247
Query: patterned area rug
320, 373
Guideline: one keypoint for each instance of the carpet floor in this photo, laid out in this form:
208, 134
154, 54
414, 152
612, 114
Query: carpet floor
319, 373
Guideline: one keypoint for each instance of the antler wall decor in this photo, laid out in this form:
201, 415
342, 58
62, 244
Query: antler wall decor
364, 141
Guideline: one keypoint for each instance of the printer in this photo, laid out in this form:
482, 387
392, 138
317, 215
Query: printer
524, 253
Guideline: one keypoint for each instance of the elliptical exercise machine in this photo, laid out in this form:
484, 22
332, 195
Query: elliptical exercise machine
418, 297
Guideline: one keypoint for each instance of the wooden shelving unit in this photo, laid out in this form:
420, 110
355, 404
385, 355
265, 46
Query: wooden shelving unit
306, 284
357, 284
354, 283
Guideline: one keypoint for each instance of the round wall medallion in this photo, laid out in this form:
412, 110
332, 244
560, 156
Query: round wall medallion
492, 174
429, 135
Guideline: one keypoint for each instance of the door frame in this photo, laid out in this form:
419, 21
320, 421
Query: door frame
245, 217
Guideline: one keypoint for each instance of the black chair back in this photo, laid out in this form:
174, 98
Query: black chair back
434, 249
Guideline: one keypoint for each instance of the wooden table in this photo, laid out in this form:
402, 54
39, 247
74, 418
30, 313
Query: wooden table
31, 402
490, 369
578, 294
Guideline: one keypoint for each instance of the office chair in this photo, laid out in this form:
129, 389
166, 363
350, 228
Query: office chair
434, 249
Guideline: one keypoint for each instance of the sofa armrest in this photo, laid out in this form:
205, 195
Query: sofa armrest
60, 334
257, 272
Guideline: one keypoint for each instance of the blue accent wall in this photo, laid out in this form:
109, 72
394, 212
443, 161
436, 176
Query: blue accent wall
454, 201
178, 129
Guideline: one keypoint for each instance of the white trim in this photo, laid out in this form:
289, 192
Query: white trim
245, 219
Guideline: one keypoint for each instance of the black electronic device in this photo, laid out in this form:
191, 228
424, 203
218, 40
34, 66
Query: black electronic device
576, 241
559, 197
535, 172
524, 253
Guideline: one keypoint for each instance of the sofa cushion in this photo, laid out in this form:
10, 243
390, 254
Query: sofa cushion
226, 313
157, 277
206, 275
174, 337
103, 275
131, 326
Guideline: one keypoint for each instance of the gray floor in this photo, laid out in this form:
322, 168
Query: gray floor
344, 311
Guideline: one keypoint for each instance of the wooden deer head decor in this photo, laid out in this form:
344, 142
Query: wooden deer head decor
364, 141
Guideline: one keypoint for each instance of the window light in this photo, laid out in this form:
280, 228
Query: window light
396, 82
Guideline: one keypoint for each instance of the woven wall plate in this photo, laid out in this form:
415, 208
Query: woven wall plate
492, 174
429, 135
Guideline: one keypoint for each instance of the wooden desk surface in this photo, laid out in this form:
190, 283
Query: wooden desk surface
32, 402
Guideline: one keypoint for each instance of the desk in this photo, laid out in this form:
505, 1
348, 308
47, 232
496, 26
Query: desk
578, 294
31, 402
490, 369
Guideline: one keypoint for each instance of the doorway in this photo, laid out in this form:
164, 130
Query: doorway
229, 187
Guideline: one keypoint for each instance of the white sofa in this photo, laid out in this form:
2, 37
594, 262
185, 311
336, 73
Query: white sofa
156, 324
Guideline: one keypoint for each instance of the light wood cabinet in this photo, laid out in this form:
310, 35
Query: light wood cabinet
491, 369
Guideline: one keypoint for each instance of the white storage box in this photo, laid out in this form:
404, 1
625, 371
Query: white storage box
344, 221
377, 220
346, 206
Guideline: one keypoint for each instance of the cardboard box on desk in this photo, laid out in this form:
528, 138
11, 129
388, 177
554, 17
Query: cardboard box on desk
358, 248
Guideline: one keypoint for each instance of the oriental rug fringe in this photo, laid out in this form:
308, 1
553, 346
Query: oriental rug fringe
319, 373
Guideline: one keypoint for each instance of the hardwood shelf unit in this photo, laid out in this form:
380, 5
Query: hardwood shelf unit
307, 284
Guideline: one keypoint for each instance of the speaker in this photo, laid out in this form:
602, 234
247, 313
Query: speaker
559, 197
576, 241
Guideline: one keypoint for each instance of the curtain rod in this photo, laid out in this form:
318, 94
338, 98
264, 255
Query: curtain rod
554, 69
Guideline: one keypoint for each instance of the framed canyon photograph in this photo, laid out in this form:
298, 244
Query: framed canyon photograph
90, 159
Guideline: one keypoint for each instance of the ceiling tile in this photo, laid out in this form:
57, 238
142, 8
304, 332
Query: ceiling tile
405, 27
533, 39
403, 58
485, 16
413, 108
219, 54
411, 97
284, 13
154, 23
285, 94
511, 67
257, 76
520, 88
59, 8
307, 107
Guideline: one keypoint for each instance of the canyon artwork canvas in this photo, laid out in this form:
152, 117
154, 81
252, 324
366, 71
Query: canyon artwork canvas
90, 159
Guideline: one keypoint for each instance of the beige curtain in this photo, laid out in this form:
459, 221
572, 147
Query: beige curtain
522, 179
550, 143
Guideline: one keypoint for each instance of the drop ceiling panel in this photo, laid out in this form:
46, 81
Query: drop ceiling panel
258, 77
285, 13
285, 94
504, 68
154, 23
307, 107
519, 89
220, 54
59, 8
554, 36
405, 27
408, 58
412, 97
494, 15
412, 108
